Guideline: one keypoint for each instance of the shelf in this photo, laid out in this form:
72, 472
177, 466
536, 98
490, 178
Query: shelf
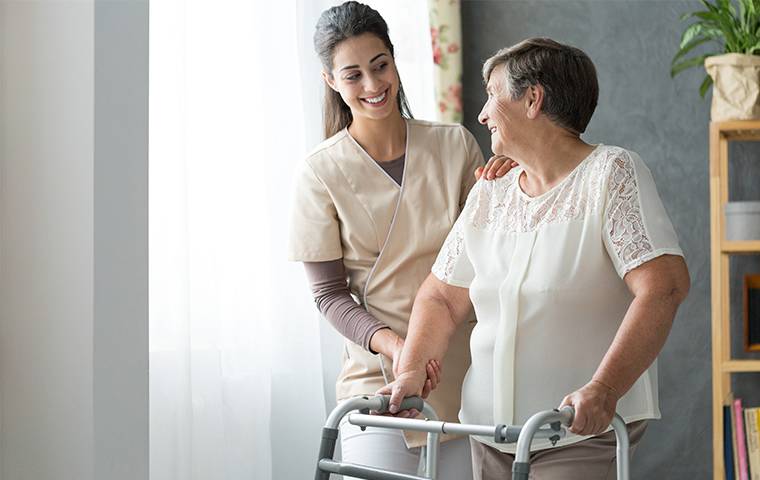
723, 366
751, 246
748, 130
741, 366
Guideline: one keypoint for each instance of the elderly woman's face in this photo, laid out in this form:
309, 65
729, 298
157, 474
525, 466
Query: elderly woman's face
502, 115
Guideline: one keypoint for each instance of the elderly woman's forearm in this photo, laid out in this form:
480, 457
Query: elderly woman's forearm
638, 341
438, 310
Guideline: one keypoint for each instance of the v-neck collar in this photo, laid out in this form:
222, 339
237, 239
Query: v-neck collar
374, 162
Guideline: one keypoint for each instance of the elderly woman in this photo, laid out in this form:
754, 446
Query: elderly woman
571, 264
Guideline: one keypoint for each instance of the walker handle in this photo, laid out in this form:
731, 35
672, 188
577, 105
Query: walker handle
408, 403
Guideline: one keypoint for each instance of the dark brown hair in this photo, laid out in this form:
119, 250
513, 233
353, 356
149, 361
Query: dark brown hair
335, 25
566, 73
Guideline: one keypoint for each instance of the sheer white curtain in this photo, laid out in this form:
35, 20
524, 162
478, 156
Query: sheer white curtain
237, 389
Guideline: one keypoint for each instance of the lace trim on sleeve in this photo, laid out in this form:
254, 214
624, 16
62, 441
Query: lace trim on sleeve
451, 251
625, 224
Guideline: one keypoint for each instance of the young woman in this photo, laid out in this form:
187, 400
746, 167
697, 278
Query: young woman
374, 203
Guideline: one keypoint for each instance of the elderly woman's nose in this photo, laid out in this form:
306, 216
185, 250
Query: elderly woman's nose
482, 116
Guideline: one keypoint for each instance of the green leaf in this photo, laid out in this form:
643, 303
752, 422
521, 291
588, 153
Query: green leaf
691, 32
683, 65
701, 14
754, 48
705, 86
689, 47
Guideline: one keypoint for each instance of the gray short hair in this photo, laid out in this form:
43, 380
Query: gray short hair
566, 73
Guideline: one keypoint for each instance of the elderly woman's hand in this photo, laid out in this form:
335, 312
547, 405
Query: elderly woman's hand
594, 406
407, 384
433, 368
496, 167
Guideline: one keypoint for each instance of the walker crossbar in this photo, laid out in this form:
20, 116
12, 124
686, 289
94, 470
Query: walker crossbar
500, 433
523, 435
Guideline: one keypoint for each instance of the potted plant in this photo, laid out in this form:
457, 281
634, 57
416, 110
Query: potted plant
733, 68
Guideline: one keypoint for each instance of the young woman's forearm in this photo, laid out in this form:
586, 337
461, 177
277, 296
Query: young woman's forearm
333, 299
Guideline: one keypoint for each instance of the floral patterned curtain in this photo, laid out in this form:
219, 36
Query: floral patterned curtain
446, 35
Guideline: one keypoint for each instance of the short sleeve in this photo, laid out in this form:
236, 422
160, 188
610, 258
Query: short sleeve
453, 266
314, 224
474, 159
636, 226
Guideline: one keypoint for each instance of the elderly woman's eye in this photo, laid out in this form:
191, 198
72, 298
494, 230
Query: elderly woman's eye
352, 77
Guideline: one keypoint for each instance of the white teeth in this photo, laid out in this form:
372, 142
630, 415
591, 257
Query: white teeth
377, 99
493, 129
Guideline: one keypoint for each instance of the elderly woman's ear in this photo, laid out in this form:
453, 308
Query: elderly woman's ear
534, 99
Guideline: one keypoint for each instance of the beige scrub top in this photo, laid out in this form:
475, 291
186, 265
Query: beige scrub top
388, 236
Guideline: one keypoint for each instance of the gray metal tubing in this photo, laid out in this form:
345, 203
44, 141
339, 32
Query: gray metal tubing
437, 426
433, 443
360, 471
623, 447
379, 403
521, 465
356, 403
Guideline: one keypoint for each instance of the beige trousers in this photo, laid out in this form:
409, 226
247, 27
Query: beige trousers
591, 459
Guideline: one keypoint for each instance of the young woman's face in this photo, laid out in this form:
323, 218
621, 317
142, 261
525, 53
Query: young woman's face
365, 75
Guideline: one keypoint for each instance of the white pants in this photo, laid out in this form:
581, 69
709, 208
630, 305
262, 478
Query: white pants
385, 448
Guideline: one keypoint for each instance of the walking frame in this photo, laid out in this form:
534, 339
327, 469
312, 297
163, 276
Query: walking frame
549, 424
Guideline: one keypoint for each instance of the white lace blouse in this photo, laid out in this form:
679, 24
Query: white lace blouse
545, 275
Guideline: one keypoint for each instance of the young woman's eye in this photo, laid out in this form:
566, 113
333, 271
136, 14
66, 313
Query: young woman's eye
382, 66
352, 77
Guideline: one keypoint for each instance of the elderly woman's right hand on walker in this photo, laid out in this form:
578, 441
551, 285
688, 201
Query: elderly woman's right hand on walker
407, 384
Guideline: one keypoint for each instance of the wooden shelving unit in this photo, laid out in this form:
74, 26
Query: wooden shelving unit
721, 133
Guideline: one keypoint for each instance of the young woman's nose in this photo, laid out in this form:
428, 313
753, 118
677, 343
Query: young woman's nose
373, 84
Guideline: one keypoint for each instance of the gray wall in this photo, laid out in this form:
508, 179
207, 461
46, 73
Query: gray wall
120, 192
73, 240
666, 122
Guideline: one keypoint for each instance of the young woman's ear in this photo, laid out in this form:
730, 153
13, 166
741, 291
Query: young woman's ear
329, 79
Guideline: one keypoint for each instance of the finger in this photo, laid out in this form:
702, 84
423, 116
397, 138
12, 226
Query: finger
431, 376
426, 389
384, 390
490, 170
432, 373
489, 163
478, 173
514, 164
579, 421
503, 170
397, 395
437, 366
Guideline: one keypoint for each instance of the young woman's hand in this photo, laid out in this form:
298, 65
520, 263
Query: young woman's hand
433, 377
496, 167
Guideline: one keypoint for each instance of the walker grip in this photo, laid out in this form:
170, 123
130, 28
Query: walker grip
408, 403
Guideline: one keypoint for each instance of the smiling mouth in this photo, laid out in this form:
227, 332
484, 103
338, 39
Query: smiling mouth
492, 130
378, 100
